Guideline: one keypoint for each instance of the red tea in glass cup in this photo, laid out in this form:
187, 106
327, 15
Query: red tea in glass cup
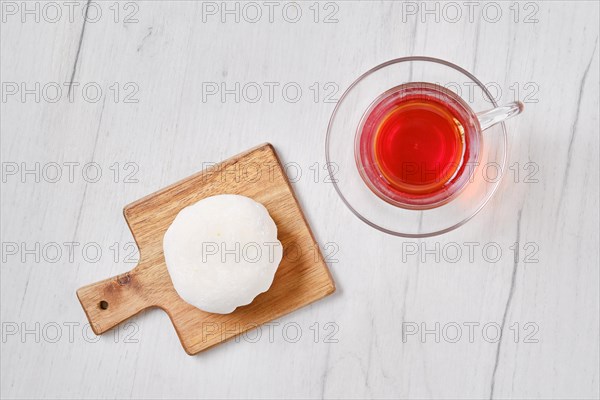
417, 145
413, 160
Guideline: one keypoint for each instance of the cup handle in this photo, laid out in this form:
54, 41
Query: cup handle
491, 117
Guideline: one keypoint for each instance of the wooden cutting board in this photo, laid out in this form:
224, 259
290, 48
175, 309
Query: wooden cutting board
302, 276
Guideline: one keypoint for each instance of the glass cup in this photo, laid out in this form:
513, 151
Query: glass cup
406, 151
432, 143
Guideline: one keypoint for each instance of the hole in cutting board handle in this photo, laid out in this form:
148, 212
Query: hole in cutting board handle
103, 304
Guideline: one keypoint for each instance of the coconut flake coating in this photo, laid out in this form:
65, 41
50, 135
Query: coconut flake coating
222, 252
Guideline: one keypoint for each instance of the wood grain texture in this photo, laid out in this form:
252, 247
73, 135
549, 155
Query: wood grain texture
546, 55
302, 276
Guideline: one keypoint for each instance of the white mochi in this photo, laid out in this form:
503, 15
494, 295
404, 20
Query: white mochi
222, 252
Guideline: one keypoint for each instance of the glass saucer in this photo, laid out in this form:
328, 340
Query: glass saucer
340, 147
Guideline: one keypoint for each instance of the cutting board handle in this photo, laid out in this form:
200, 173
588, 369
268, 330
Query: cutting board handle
109, 302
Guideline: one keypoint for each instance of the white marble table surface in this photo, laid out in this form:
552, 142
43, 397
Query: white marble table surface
97, 114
